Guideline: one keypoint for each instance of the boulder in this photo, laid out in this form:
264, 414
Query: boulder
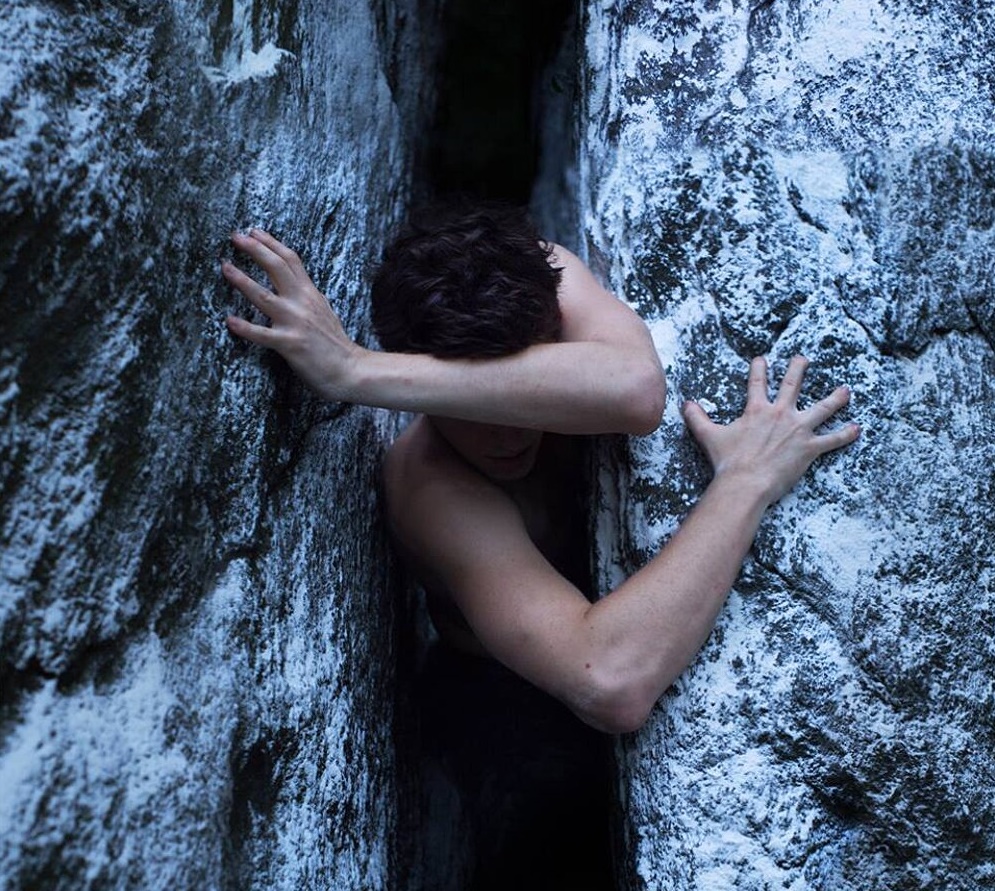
815, 178
196, 624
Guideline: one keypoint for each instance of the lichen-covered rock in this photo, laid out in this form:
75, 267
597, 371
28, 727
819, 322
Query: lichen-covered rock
195, 632
816, 178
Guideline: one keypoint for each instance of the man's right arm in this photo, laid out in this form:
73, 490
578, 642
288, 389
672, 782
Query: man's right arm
603, 377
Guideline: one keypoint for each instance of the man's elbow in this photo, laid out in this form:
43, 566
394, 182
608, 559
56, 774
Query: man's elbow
616, 708
644, 399
619, 721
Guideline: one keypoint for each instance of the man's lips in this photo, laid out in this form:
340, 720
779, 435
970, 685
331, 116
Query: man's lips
519, 454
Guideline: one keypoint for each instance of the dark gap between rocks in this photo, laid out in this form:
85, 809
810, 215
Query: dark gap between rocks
504, 788
484, 140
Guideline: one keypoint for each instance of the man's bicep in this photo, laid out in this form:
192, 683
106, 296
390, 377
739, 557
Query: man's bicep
526, 615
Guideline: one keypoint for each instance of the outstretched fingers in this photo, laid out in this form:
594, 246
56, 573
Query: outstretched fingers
756, 386
261, 298
255, 333
697, 421
275, 266
288, 256
836, 439
791, 383
821, 412
824, 409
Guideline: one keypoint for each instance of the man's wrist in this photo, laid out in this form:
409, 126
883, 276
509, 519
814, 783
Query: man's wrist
345, 383
747, 487
383, 379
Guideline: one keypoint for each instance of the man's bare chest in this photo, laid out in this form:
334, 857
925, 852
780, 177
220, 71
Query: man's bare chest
553, 503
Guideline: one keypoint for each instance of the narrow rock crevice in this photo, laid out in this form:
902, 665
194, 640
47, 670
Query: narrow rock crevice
511, 790
484, 139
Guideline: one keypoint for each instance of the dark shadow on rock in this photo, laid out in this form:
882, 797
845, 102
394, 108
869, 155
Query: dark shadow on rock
485, 141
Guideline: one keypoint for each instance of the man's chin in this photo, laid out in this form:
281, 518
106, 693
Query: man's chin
510, 469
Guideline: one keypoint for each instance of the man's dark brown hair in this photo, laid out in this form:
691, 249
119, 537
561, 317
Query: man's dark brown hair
461, 282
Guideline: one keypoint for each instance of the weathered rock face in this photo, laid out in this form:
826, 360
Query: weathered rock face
817, 178
196, 633
195, 627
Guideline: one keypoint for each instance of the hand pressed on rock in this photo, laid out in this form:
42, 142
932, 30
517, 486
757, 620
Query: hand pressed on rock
304, 329
772, 444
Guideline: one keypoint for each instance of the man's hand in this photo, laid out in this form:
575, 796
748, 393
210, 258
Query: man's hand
304, 329
772, 444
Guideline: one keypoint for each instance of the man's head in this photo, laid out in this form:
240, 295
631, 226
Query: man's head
466, 283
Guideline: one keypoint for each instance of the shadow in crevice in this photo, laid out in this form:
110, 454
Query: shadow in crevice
485, 138
505, 789
515, 787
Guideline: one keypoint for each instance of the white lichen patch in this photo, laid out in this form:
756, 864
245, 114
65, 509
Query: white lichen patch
251, 65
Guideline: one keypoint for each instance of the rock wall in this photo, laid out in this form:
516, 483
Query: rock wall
195, 624
813, 177
197, 635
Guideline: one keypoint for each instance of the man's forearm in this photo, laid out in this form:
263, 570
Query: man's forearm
602, 376
563, 387
648, 630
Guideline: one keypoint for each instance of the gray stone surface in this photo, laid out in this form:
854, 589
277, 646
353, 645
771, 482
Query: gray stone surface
194, 621
196, 634
814, 177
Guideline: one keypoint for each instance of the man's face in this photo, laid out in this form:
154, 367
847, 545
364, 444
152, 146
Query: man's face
500, 453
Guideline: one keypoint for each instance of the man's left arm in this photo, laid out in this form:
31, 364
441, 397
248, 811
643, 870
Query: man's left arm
610, 661
604, 376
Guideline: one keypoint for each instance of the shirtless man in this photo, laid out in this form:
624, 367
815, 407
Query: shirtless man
465, 481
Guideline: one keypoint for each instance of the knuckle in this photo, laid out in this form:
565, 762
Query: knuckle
291, 341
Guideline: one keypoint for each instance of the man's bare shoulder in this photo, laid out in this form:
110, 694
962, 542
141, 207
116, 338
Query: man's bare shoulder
424, 479
592, 312
415, 447
417, 455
